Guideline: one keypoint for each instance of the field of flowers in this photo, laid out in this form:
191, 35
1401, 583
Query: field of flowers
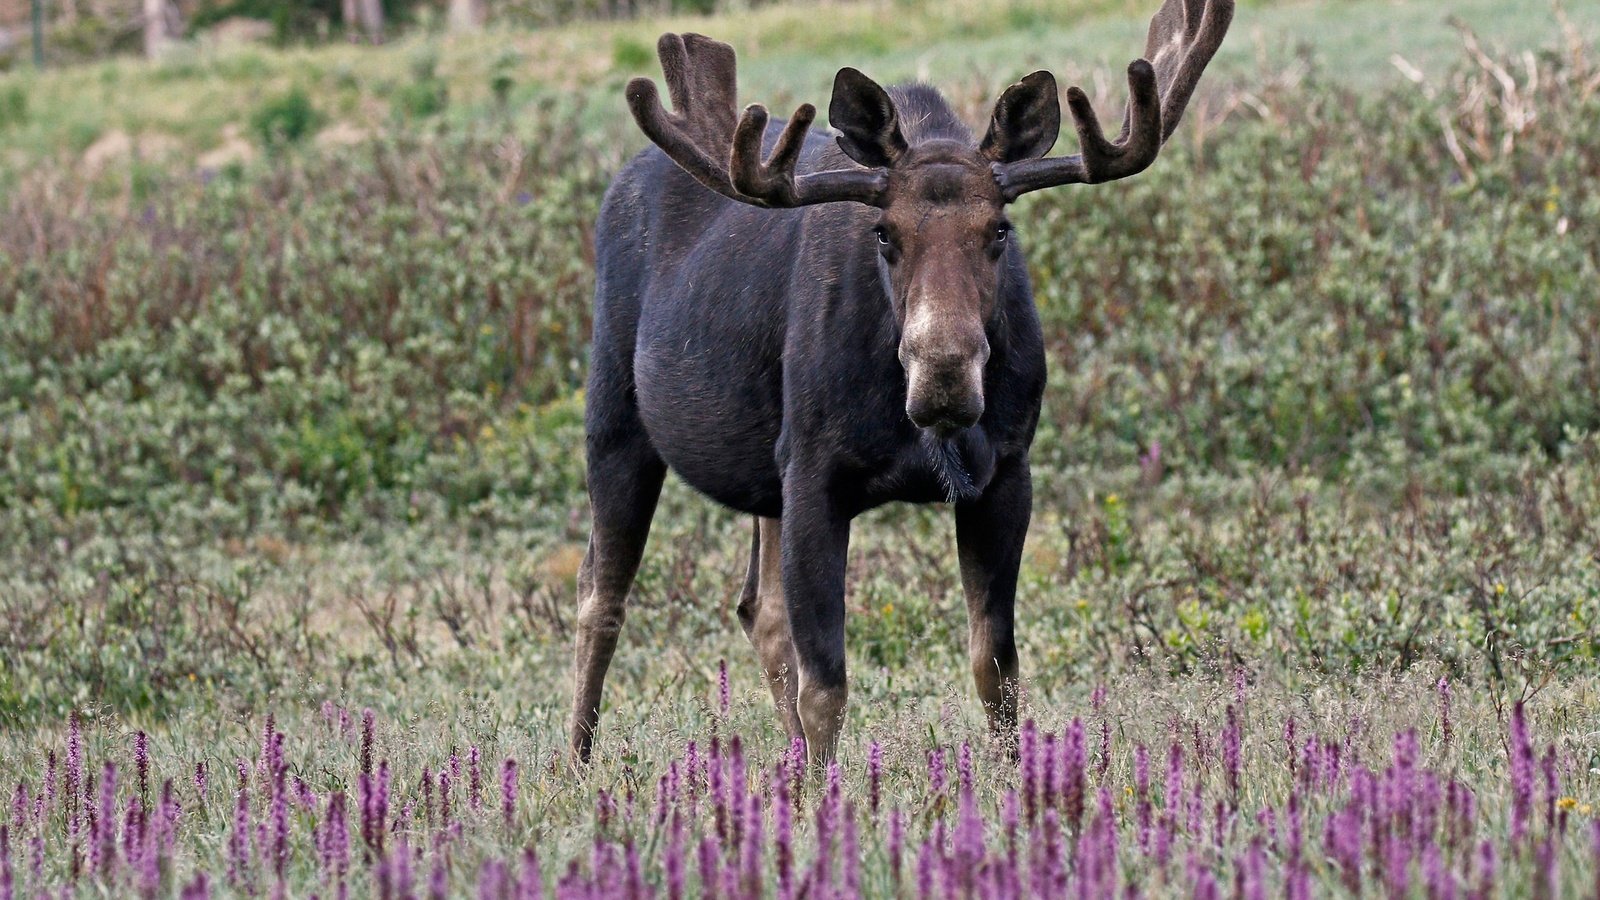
291, 502
1416, 793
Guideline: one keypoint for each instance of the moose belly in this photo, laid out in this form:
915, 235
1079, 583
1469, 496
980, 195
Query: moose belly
712, 425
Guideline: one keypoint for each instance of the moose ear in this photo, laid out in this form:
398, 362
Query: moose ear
869, 127
1026, 120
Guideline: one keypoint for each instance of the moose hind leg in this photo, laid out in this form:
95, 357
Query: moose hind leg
989, 536
625, 476
766, 621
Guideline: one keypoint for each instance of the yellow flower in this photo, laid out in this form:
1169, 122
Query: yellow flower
1567, 802
191, 676
1499, 589
1082, 604
888, 609
1586, 809
486, 433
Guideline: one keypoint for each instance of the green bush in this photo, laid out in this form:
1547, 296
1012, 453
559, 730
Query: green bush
287, 119
13, 106
426, 94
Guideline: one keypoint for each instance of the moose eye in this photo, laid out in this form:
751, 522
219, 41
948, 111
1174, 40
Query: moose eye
882, 234
1001, 232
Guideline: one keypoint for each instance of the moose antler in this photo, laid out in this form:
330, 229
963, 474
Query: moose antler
1184, 35
705, 136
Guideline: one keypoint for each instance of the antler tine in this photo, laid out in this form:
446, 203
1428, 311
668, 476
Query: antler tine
1184, 35
699, 72
774, 182
1181, 47
703, 137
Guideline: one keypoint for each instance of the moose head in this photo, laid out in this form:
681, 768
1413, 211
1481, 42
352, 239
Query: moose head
942, 230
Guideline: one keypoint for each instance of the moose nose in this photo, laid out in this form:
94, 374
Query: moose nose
947, 418
945, 393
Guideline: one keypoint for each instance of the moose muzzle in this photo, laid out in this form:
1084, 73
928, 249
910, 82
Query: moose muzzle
944, 377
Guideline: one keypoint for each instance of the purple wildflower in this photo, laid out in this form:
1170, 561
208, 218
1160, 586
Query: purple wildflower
239, 837
333, 839
724, 694
1205, 884
1232, 735
897, 843
706, 853
367, 720
1343, 837
426, 783
1487, 864
141, 762
750, 849
851, 852
783, 836
474, 778
439, 879
936, 773
875, 775
1546, 877
1446, 726
531, 880
7, 885
1028, 753
508, 790
1150, 464
672, 862
104, 857
1072, 772
925, 870
1552, 786
50, 779
1594, 847
74, 771
1103, 758
19, 805
1254, 872
198, 889
1521, 775
492, 881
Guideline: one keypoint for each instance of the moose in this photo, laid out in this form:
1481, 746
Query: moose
806, 328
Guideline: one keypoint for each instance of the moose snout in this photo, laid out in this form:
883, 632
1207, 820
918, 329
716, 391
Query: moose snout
944, 386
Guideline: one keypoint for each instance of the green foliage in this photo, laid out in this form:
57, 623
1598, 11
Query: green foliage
502, 77
286, 119
426, 94
630, 54
13, 106
1368, 364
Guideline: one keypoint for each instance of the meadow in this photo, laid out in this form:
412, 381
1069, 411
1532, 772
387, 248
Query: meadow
292, 492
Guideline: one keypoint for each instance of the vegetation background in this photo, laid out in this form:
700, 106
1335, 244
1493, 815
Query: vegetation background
293, 334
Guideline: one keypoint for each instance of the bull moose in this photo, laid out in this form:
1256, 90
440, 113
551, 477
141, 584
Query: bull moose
805, 328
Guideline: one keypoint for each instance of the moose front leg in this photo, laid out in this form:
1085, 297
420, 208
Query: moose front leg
815, 542
989, 535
